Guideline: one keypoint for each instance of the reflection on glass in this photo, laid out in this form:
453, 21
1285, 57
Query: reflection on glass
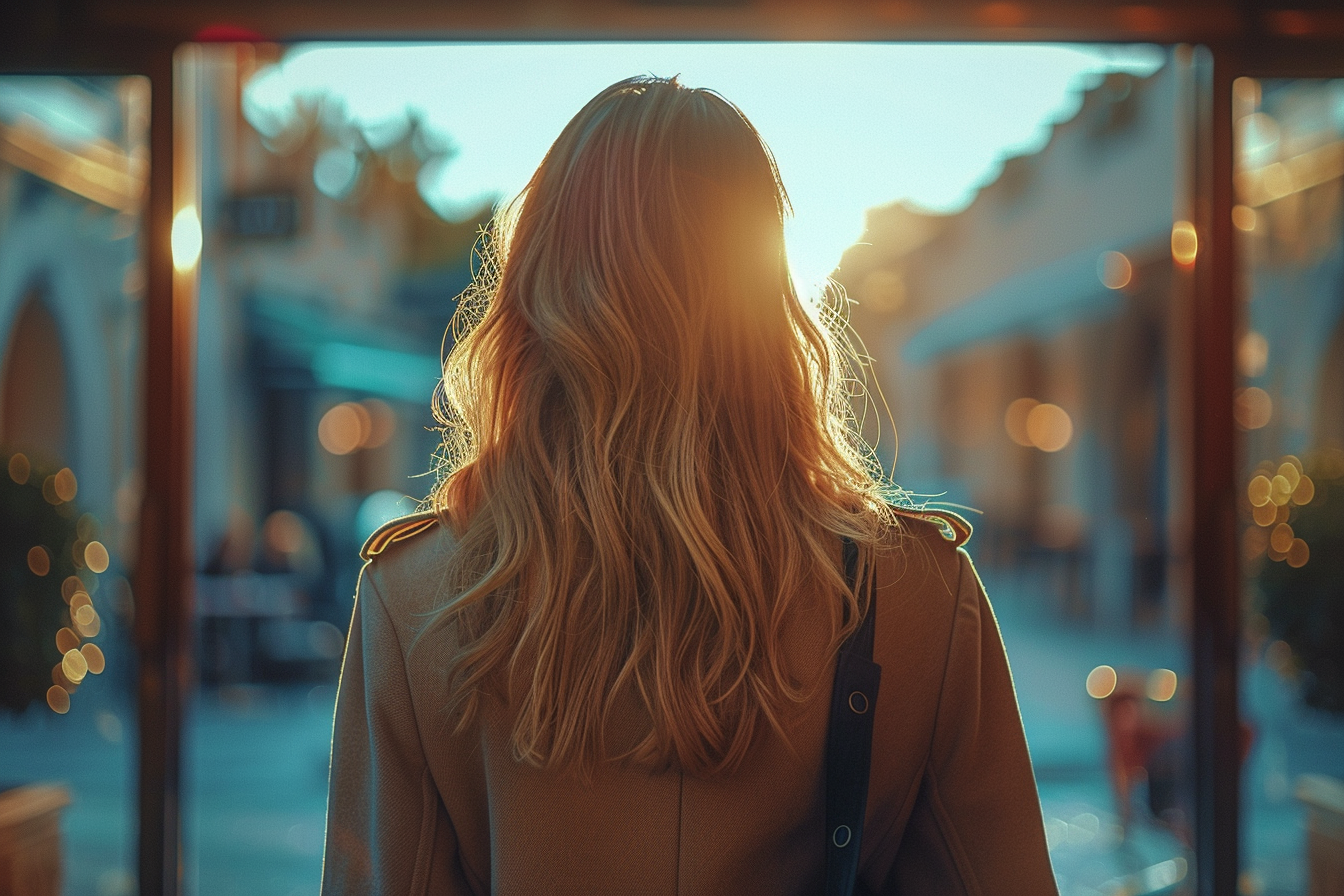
73, 154
1290, 160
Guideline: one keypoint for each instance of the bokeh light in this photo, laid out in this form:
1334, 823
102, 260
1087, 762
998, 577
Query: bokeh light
1252, 354
1114, 270
1184, 243
343, 428
1244, 218
1015, 420
93, 658
1049, 427
65, 484
1101, 682
96, 557
58, 699
19, 468
66, 640
39, 561
74, 666
1161, 685
1252, 408
186, 238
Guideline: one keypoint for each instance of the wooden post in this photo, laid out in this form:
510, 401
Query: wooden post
163, 605
1215, 618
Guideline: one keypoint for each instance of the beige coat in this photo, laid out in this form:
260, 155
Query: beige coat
952, 804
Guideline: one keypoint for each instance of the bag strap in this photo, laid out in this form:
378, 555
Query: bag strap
849, 740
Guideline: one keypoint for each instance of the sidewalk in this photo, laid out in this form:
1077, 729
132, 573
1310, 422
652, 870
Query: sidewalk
255, 788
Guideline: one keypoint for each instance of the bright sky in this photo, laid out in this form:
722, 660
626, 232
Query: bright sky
852, 126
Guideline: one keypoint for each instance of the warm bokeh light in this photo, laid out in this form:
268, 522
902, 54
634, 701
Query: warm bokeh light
66, 640
88, 622
58, 699
1161, 685
1298, 553
1265, 514
1305, 491
19, 468
1243, 217
74, 666
1281, 538
1252, 354
1252, 407
382, 422
1049, 427
1114, 270
39, 561
96, 557
93, 657
49, 491
1257, 492
65, 484
1291, 473
343, 428
1101, 682
186, 238
1015, 420
1184, 243
284, 532
70, 586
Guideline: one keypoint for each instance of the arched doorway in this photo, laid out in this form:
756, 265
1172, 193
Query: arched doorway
34, 415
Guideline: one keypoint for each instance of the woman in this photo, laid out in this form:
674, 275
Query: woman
601, 663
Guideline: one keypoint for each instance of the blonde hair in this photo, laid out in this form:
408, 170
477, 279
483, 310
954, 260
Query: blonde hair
649, 451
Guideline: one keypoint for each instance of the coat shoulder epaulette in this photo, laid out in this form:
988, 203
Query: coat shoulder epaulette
953, 527
399, 529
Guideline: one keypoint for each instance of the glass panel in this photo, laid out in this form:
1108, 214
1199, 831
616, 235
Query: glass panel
1021, 313
72, 180
1290, 406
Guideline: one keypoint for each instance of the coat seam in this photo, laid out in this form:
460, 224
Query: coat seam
948, 831
427, 773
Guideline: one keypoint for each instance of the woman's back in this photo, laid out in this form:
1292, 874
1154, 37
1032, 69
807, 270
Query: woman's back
418, 808
602, 663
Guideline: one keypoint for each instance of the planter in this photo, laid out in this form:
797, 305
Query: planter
1324, 799
30, 840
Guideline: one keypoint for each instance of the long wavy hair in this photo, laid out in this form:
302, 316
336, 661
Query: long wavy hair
649, 448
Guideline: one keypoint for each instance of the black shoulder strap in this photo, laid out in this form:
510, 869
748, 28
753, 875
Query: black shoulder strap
849, 741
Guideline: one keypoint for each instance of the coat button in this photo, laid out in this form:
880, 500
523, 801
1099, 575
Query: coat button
840, 837
858, 701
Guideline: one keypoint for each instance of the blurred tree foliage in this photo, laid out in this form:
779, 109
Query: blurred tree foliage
32, 610
1305, 605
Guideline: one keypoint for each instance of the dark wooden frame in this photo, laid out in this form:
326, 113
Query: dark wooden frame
1238, 37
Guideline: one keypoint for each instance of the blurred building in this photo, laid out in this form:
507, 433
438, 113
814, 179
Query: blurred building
327, 285
1026, 349
73, 162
